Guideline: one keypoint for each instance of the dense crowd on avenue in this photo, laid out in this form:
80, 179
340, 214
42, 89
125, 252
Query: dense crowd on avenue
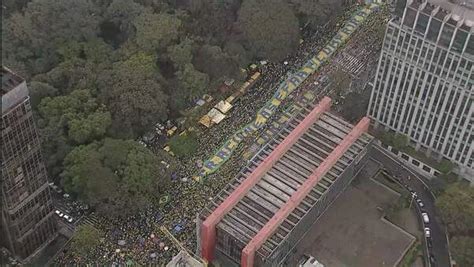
138, 239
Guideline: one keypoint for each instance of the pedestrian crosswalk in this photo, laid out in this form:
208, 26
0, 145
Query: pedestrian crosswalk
351, 64
91, 220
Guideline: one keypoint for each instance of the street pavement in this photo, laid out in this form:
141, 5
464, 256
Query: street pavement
418, 184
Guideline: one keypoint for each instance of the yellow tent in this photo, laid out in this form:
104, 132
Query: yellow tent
206, 121
223, 106
216, 116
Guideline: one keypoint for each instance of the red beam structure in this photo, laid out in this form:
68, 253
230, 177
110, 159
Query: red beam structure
208, 228
248, 253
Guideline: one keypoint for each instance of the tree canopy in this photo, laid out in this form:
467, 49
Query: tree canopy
70, 120
156, 31
102, 70
463, 250
34, 36
270, 28
457, 209
134, 95
315, 12
116, 177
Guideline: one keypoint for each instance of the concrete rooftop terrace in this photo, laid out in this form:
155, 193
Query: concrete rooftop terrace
10, 80
312, 137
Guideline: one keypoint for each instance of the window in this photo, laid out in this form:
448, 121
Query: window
422, 23
434, 29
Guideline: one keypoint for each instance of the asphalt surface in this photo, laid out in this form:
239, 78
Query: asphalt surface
417, 183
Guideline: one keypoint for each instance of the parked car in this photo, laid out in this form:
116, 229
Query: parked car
426, 219
420, 203
432, 260
59, 213
427, 232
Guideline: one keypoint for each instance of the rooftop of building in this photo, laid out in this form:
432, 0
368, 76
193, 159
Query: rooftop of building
458, 9
183, 259
285, 177
9, 80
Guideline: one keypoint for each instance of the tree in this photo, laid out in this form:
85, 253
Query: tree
82, 65
156, 31
182, 53
64, 121
315, 12
397, 140
462, 248
400, 141
457, 209
194, 83
210, 19
119, 17
85, 239
184, 145
270, 27
216, 63
40, 90
445, 166
133, 94
238, 53
83, 119
84, 130
33, 37
12, 6
116, 177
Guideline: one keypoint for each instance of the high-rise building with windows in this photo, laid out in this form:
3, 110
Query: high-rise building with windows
27, 208
424, 85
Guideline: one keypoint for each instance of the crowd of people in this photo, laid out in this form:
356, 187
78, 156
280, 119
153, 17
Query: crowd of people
138, 239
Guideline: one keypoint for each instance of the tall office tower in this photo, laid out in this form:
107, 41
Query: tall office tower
424, 83
27, 208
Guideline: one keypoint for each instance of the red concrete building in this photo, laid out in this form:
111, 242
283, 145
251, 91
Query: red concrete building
259, 217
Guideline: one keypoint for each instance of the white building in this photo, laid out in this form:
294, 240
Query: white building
424, 86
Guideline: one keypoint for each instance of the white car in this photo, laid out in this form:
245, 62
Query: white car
420, 203
426, 219
70, 220
59, 213
427, 232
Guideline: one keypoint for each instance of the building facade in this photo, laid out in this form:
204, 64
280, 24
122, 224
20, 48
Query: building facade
27, 208
424, 83
259, 218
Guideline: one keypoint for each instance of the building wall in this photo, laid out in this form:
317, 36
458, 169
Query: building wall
27, 210
229, 248
284, 253
425, 83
